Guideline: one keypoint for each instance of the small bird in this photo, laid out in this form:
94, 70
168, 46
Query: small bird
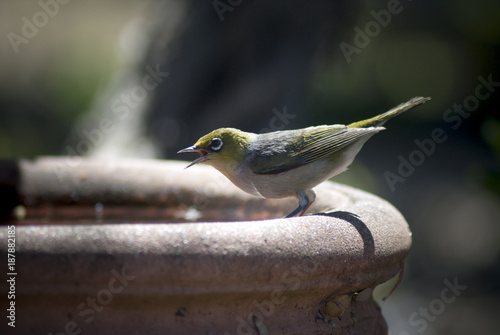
290, 162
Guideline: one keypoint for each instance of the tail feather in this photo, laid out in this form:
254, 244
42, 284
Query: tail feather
379, 120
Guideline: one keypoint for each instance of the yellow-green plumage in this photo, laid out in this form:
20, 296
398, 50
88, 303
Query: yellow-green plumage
292, 162
379, 120
235, 143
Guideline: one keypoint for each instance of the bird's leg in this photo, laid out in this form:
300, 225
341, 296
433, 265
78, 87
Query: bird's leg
306, 198
312, 197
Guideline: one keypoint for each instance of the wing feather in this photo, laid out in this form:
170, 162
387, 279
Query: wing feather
278, 152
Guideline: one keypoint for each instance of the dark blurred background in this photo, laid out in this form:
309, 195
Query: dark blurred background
162, 73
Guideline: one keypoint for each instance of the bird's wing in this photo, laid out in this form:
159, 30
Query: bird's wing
282, 151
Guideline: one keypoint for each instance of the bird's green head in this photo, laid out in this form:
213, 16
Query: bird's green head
223, 148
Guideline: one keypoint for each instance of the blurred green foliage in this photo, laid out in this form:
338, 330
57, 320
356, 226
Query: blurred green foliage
56, 75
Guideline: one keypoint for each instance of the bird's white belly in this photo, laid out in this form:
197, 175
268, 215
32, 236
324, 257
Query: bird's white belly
287, 183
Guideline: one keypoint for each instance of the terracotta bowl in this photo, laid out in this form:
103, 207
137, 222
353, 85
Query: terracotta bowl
145, 247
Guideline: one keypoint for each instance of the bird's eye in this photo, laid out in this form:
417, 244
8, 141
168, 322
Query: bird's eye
216, 144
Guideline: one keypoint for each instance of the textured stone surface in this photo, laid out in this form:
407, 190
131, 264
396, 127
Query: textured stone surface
163, 277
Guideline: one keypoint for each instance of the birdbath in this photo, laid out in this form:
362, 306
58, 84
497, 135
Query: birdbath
145, 247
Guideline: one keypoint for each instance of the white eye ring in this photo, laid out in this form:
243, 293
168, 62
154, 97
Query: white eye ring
216, 144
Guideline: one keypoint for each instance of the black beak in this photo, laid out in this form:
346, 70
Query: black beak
194, 148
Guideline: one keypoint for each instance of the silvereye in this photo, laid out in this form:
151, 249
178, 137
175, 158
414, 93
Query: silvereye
289, 163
